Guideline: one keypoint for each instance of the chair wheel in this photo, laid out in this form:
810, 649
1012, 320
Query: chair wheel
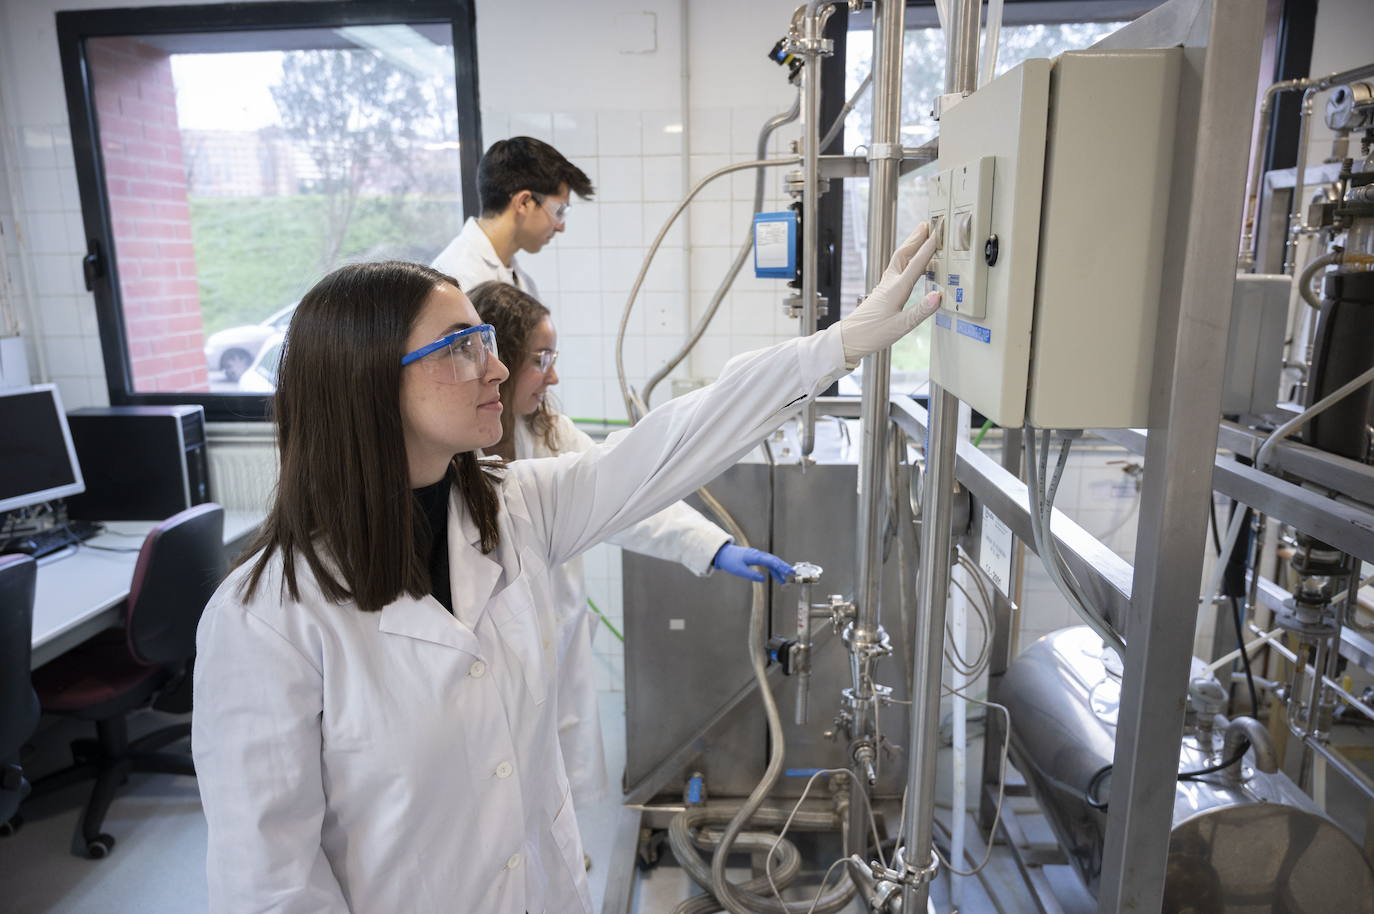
100, 846
9, 828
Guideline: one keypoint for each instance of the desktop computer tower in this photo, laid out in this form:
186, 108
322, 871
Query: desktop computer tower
139, 462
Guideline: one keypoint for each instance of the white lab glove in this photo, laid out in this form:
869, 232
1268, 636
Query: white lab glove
879, 321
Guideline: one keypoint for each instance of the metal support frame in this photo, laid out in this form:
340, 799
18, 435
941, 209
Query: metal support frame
1345, 525
1221, 41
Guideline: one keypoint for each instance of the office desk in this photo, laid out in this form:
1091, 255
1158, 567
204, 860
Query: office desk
81, 591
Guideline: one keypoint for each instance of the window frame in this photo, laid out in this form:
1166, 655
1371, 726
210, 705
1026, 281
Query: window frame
100, 268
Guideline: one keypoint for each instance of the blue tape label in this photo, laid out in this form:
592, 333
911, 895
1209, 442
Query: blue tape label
942, 320
973, 331
959, 294
953, 279
802, 772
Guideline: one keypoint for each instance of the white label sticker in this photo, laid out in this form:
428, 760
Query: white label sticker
677, 625
995, 550
770, 245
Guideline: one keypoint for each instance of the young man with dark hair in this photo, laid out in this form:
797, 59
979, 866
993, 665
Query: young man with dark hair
524, 185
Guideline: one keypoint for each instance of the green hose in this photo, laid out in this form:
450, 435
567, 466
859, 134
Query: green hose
614, 631
978, 439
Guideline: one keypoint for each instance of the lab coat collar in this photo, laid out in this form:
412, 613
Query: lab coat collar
477, 241
426, 620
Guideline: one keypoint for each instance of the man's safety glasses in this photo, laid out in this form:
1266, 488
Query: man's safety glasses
559, 214
460, 356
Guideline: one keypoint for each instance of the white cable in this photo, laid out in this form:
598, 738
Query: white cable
1307, 415
872, 821
824, 879
1001, 784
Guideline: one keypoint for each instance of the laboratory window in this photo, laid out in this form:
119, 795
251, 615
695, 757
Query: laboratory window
229, 156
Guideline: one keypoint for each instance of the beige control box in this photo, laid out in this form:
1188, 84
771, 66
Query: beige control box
1051, 198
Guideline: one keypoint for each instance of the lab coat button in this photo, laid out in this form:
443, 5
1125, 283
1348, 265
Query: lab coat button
477, 670
504, 770
513, 862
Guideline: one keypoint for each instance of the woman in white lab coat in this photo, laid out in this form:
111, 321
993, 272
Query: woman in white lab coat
373, 729
531, 427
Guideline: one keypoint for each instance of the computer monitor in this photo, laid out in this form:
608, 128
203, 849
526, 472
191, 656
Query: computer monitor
37, 460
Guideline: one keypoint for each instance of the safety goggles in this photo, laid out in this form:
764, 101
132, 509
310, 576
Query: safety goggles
558, 214
460, 356
544, 359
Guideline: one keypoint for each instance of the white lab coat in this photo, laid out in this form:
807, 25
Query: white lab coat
676, 534
470, 259
407, 760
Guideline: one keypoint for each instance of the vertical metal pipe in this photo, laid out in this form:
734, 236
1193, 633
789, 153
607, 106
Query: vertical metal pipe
1296, 219
811, 141
888, 25
961, 74
882, 229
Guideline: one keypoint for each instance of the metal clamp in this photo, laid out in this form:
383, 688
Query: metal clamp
879, 151
903, 873
822, 47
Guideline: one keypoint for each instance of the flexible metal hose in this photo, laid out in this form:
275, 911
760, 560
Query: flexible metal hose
680, 838
770, 125
685, 842
634, 405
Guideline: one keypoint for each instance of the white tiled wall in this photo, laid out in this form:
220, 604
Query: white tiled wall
638, 121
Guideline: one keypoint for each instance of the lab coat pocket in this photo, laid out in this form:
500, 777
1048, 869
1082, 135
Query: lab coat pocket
526, 634
569, 841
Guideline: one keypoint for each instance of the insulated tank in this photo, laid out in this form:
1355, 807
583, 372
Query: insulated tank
1245, 842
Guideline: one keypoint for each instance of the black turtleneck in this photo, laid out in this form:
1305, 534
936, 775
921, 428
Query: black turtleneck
432, 502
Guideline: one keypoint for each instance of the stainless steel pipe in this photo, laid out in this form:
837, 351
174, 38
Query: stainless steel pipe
1249, 234
883, 171
961, 74
813, 28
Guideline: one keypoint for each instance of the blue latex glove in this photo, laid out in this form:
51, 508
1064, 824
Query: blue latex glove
737, 559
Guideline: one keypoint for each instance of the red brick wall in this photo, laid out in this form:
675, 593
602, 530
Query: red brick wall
145, 182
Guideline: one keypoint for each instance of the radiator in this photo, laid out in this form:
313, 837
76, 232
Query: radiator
243, 465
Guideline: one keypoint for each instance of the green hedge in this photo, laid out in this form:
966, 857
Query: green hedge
255, 255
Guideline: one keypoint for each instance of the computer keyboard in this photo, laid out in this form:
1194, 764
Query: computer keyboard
46, 542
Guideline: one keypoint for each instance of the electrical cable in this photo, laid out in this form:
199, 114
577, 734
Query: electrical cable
1095, 782
1237, 615
1041, 515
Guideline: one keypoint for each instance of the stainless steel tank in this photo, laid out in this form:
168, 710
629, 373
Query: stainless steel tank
1244, 841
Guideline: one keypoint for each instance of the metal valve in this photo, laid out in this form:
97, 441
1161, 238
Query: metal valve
807, 575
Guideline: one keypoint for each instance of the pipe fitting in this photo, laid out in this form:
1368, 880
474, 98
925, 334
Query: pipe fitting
1248, 730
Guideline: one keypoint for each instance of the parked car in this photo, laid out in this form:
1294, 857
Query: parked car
233, 349
261, 376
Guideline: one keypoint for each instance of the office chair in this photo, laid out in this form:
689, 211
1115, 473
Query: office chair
18, 703
122, 670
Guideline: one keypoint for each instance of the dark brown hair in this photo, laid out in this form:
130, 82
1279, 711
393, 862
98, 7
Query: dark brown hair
343, 501
515, 314
524, 163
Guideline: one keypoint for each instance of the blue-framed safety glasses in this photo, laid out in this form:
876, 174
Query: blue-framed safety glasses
460, 356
